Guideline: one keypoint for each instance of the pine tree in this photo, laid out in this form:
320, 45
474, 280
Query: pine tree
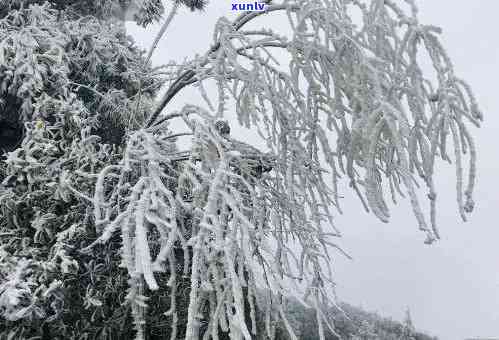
366, 331
408, 329
110, 230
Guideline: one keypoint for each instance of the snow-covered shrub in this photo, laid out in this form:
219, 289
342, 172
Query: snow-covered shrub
69, 97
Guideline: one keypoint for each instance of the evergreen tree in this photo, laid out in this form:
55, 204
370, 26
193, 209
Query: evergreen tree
366, 332
408, 330
68, 93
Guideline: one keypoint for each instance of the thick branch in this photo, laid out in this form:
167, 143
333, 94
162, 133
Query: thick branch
185, 79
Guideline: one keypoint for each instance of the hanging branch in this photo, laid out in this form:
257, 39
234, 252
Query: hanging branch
352, 102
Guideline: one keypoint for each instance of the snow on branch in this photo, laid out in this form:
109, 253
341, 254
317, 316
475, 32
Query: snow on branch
353, 98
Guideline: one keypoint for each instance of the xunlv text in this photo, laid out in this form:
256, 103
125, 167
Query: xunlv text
255, 6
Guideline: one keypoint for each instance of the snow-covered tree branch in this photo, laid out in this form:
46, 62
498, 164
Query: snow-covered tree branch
99, 169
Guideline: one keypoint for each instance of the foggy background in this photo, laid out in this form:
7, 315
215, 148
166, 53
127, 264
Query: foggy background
452, 286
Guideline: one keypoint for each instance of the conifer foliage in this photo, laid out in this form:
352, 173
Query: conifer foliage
105, 219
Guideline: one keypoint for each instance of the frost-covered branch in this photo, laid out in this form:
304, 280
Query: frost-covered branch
354, 98
100, 168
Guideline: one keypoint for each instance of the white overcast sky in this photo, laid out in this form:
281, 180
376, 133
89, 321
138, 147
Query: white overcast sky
452, 287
